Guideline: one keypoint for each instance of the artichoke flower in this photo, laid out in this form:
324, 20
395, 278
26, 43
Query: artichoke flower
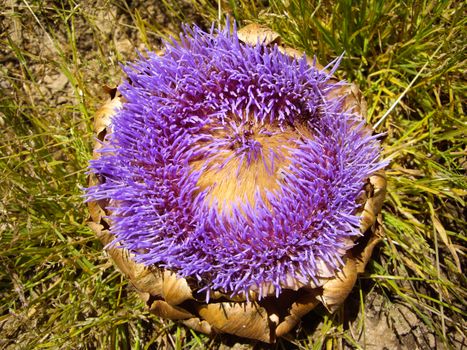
235, 183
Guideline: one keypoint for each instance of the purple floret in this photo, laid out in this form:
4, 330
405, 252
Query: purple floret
211, 100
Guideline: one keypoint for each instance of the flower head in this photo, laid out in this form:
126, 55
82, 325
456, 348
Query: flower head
233, 166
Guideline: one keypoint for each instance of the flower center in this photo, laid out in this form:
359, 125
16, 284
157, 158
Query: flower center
244, 160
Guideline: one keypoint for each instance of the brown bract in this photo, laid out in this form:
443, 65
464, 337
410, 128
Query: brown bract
169, 296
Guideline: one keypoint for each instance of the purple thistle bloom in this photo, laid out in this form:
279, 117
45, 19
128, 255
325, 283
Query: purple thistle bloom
230, 165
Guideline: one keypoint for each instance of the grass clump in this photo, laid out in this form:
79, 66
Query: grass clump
57, 287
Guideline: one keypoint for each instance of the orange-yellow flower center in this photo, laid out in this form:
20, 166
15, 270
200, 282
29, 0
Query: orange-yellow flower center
250, 160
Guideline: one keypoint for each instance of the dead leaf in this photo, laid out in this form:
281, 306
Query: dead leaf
254, 33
